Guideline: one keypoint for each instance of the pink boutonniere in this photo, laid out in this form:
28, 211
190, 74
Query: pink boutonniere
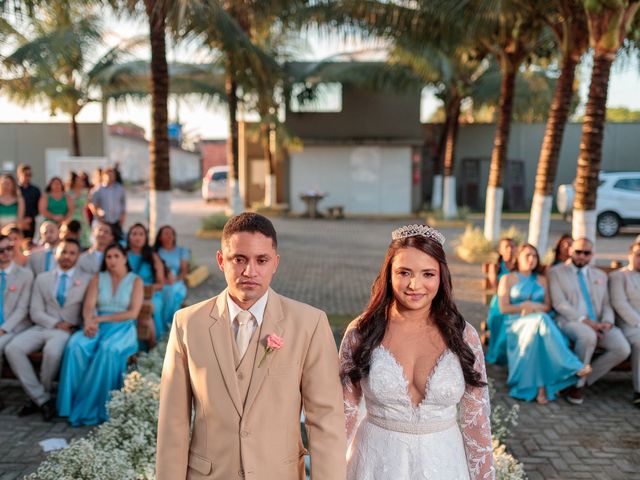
274, 342
12, 288
77, 283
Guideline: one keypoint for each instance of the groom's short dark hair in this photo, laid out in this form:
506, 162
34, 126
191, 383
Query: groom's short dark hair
252, 223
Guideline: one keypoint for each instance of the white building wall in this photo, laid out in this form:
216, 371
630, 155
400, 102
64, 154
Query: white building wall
364, 179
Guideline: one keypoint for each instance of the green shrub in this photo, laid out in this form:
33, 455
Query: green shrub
214, 222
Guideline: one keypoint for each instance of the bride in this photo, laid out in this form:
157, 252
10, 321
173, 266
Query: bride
417, 362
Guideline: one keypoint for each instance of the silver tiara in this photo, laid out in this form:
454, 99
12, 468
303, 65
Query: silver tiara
414, 230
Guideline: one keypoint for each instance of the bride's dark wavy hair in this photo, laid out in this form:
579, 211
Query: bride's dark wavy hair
372, 323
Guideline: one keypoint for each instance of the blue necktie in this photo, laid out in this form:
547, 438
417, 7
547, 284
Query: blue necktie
47, 260
62, 288
585, 295
3, 286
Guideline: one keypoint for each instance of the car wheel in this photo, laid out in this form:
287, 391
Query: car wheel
608, 224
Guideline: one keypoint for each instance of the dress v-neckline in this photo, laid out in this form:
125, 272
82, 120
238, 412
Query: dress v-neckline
426, 388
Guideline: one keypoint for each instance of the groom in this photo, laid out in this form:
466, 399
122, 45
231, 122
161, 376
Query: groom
244, 363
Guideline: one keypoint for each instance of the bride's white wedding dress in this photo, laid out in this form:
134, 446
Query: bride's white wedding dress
434, 440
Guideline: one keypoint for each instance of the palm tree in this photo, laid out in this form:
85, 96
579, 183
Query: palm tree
568, 22
609, 23
54, 63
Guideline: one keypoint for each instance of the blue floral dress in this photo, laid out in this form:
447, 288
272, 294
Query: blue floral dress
93, 367
538, 353
173, 296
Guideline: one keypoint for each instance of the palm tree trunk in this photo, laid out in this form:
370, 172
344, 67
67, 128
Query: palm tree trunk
548, 161
75, 137
267, 134
450, 207
584, 205
159, 162
493, 206
436, 194
236, 205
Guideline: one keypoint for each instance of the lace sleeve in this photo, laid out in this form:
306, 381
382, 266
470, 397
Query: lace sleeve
475, 417
352, 393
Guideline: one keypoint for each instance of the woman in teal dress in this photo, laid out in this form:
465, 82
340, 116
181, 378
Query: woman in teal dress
78, 190
146, 263
55, 204
176, 259
497, 351
538, 354
95, 359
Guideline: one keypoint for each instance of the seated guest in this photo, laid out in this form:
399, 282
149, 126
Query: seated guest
148, 265
71, 229
580, 297
561, 252
540, 362
497, 351
15, 285
56, 304
91, 260
42, 259
624, 289
95, 359
16, 237
176, 259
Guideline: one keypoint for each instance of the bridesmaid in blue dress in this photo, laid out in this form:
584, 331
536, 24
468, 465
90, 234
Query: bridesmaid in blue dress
148, 265
176, 259
95, 358
538, 354
497, 351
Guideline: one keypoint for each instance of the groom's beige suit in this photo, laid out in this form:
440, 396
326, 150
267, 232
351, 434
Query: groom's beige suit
246, 415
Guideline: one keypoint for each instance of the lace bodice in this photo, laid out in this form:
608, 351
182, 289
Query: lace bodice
387, 397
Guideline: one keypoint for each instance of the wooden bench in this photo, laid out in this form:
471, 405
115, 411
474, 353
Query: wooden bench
335, 211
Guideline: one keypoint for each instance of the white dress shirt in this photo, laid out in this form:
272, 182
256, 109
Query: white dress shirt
257, 310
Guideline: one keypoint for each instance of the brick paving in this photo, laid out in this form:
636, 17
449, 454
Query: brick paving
331, 264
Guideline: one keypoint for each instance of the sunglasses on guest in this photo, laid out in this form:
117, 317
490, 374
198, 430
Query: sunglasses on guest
6, 249
582, 252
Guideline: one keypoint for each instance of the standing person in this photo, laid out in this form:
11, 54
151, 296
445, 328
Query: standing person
43, 259
624, 289
176, 259
11, 201
79, 193
580, 297
95, 359
91, 260
15, 286
108, 202
245, 363
31, 195
55, 204
148, 265
56, 304
497, 351
417, 362
540, 361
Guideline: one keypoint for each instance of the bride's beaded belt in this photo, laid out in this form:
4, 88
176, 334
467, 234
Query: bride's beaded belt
414, 428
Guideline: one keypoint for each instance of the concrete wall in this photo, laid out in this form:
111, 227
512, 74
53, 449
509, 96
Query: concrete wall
364, 179
620, 149
28, 142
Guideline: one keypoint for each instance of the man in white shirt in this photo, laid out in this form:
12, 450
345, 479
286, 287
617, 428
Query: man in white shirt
56, 309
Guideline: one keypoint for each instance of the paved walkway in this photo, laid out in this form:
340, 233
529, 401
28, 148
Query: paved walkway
331, 264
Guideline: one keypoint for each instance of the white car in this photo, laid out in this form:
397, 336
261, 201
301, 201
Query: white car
214, 183
617, 203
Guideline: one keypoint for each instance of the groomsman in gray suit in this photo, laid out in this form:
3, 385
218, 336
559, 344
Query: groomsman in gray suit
91, 260
43, 259
580, 296
56, 306
624, 288
15, 286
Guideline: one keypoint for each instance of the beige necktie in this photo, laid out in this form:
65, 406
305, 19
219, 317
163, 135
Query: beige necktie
245, 330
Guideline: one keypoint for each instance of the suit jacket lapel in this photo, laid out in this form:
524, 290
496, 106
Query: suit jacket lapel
221, 343
271, 324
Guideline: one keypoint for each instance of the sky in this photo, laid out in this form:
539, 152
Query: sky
209, 122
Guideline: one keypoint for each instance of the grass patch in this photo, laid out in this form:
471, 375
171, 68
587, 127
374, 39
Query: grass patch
214, 222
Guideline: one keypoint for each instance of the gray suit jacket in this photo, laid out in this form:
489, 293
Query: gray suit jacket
566, 294
624, 289
88, 263
16, 300
36, 262
45, 309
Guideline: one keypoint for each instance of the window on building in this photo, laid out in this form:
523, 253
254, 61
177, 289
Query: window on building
320, 98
